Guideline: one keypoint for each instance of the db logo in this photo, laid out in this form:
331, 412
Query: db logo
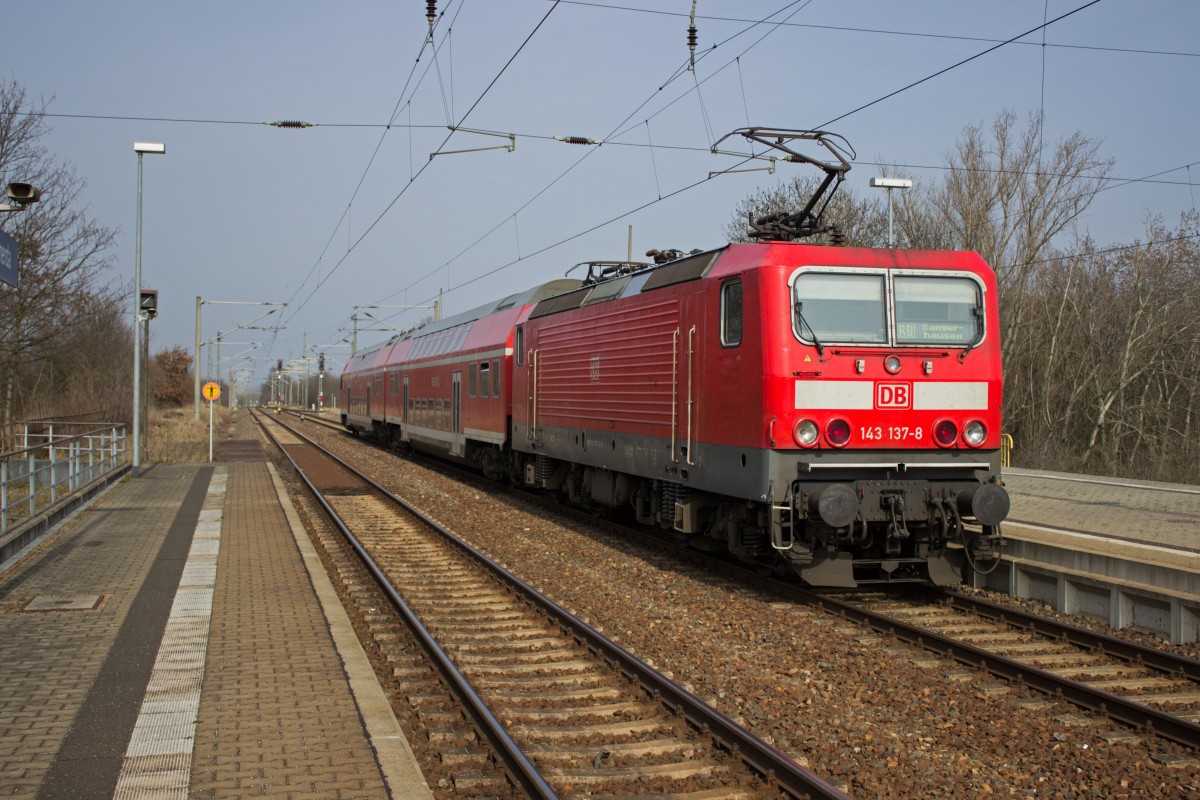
893, 395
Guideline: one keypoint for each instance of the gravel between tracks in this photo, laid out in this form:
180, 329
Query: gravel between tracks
879, 716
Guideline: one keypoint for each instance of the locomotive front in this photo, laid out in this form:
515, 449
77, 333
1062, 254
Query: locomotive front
883, 384
882, 390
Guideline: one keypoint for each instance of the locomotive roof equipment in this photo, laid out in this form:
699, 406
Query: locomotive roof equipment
788, 226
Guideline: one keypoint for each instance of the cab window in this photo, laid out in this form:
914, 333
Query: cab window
840, 307
937, 311
731, 314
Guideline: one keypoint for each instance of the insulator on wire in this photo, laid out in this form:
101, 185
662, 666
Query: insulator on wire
692, 39
577, 140
291, 123
431, 11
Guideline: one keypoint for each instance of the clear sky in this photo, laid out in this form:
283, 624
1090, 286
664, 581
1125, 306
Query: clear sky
352, 213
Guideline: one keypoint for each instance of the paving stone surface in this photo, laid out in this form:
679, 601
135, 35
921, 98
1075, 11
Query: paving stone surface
277, 718
1167, 515
50, 659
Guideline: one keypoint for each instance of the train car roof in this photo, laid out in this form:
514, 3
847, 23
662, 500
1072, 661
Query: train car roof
379, 355
712, 264
681, 270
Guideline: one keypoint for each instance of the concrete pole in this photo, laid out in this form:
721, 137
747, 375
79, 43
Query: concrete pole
196, 361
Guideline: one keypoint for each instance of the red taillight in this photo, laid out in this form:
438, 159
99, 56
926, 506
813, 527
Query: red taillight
837, 432
945, 433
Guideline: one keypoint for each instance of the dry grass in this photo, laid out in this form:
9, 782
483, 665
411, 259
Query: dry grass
175, 436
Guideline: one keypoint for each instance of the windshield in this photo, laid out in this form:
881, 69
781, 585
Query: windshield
938, 311
853, 308
841, 308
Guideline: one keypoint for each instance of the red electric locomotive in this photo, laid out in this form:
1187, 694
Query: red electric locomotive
831, 410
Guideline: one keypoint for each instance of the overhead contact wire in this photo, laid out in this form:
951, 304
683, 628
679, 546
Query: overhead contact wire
425, 166
614, 132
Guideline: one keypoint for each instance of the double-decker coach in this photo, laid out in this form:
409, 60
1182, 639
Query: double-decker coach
444, 388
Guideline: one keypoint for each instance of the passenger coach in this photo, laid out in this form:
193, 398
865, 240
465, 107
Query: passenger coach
445, 387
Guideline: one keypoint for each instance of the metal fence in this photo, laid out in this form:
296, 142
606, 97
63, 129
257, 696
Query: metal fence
55, 462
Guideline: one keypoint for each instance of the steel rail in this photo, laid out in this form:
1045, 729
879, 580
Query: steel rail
1128, 712
774, 765
524, 774
1170, 663
1114, 706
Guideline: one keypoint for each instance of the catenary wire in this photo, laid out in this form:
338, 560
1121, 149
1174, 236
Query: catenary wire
425, 166
678, 72
889, 32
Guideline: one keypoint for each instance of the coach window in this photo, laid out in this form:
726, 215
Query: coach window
496, 377
485, 385
519, 345
473, 381
731, 314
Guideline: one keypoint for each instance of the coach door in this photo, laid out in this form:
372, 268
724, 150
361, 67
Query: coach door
404, 413
456, 413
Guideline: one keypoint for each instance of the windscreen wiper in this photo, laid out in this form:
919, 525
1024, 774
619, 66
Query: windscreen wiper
804, 324
977, 313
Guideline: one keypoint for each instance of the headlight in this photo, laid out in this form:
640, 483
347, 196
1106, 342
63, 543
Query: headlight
837, 432
805, 433
892, 364
945, 433
974, 433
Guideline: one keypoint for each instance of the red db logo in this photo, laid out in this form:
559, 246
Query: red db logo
893, 395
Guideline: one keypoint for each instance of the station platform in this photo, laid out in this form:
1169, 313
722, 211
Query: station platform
179, 639
1126, 552
1145, 512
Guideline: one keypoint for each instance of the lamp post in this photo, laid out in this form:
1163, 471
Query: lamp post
889, 184
141, 148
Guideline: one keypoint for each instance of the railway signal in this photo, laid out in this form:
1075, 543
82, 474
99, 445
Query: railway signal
148, 303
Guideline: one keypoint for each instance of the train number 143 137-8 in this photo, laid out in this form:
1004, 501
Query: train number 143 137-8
891, 433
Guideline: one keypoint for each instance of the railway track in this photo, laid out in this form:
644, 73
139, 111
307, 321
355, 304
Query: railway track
563, 709
1149, 690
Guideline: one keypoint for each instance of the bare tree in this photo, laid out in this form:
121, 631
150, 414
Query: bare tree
1105, 377
1007, 199
62, 252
